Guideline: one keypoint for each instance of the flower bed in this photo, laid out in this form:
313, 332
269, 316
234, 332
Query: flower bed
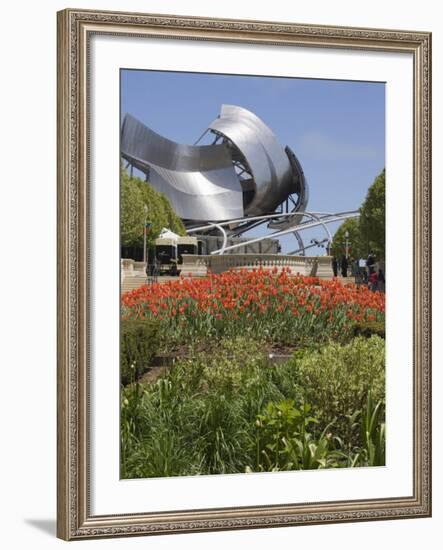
262, 304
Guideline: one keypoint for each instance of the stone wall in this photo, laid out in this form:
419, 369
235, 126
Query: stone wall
319, 266
133, 273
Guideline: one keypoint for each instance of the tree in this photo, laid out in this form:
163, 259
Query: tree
338, 248
159, 211
132, 212
367, 233
372, 218
140, 202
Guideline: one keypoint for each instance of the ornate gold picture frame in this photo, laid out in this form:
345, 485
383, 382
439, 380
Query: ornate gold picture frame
76, 517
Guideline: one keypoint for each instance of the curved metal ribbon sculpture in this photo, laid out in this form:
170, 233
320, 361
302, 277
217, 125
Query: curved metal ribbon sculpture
246, 171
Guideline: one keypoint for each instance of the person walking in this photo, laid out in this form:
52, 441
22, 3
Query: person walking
373, 280
344, 266
381, 280
356, 271
335, 266
362, 271
371, 259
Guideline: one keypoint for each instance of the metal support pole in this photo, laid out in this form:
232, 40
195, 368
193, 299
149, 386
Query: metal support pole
145, 207
301, 244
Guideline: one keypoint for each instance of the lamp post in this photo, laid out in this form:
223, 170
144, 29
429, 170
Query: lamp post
346, 244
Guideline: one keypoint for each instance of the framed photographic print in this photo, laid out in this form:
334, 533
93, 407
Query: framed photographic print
243, 274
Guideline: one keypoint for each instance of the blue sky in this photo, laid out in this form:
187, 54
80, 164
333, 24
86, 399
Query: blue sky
336, 128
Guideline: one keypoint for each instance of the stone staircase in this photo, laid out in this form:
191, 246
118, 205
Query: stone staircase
131, 283
133, 274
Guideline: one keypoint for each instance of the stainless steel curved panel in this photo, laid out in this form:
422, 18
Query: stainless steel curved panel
301, 185
266, 158
200, 181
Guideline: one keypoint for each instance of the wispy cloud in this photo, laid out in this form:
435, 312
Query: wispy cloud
318, 145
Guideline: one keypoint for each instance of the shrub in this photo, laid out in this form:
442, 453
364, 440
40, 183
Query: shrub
373, 432
368, 328
335, 379
206, 405
285, 440
138, 345
227, 410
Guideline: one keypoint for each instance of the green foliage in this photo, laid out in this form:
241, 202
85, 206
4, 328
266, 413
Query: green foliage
132, 213
138, 344
206, 406
230, 411
338, 248
285, 441
159, 211
367, 233
369, 328
137, 194
373, 431
336, 379
372, 218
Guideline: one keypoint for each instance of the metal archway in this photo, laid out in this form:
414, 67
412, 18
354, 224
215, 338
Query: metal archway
319, 219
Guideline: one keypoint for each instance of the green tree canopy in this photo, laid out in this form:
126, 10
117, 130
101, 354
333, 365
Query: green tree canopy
366, 233
372, 218
140, 202
132, 212
338, 248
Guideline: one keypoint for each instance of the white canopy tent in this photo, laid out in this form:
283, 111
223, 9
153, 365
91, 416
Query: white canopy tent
168, 234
